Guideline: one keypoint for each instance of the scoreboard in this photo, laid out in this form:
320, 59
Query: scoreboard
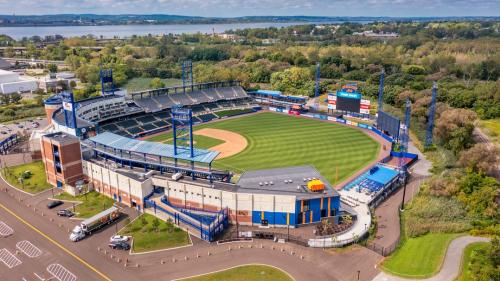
348, 99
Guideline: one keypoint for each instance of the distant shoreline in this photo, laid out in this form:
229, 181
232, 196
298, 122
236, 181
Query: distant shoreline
102, 20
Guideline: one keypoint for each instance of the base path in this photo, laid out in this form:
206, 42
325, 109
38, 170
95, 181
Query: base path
451, 265
233, 143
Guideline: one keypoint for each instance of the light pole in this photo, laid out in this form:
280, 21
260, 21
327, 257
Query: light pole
404, 192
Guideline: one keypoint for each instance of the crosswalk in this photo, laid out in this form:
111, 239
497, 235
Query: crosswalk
9, 259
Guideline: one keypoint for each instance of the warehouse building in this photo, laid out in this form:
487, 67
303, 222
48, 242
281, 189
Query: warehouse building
12, 82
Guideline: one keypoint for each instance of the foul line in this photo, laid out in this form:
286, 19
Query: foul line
56, 243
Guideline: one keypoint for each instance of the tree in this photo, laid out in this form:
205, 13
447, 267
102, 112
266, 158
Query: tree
156, 224
478, 192
52, 67
481, 158
156, 83
454, 128
294, 80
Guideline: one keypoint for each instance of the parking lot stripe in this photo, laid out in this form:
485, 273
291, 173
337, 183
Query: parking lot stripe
28, 249
5, 230
56, 243
60, 272
9, 259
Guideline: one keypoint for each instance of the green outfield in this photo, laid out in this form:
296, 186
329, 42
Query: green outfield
277, 140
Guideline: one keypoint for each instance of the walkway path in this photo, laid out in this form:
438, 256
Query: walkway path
387, 213
451, 265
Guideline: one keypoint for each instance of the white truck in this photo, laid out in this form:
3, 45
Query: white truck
94, 223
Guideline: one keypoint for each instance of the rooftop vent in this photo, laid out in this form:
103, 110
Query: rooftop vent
260, 183
271, 183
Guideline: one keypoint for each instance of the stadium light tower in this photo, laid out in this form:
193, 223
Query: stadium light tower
381, 91
187, 75
404, 148
107, 84
316, 87
432, 113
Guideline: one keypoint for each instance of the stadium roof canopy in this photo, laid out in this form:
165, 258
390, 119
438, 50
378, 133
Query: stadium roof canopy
153, 148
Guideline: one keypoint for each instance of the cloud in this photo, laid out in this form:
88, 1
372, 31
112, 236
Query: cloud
230, 8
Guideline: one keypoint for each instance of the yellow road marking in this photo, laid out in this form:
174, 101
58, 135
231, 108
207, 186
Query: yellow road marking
56, 243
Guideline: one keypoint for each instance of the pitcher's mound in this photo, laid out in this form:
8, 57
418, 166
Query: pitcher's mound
233, 143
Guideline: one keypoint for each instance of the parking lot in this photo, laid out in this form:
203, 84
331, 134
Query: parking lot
25, 255
25, 125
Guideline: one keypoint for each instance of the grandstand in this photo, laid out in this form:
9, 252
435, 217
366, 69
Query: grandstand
205, 101
206, 93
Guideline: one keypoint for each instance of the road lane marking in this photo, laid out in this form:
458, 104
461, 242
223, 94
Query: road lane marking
28, 249
5, 230
102, 275
9, 259
60, 272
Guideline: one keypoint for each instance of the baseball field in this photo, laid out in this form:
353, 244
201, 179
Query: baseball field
276, 140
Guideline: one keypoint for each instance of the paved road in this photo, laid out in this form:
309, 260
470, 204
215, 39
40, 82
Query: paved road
302, 263
451, 265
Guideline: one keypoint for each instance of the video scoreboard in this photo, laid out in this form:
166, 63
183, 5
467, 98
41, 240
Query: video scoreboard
348, 99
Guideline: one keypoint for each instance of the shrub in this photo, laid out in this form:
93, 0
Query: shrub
435, 214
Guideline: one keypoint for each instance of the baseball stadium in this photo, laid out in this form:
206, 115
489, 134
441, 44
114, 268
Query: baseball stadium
211, 156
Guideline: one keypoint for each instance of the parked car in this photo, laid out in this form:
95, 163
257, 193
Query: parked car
4, 132
118, 238
53, 204
65, 213
119, 246
20, 126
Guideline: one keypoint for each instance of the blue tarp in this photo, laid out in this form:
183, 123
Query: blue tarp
383, 175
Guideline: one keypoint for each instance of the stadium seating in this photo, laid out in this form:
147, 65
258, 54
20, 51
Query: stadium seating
207, 117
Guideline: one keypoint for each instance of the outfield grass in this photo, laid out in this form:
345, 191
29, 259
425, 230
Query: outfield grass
202, 142
91, 204
419, 257
277, 140
140, 83
36, 183
245, 273
147, 238
232, 112
470, 252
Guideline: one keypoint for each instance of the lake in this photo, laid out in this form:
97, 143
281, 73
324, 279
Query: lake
110, 31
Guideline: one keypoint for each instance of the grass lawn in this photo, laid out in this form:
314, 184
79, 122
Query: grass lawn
34, 184
245, 273
202, 142
470, 252
140, 84
276, 140
492, 129
146, 238
419, 257
232, 112
92, 203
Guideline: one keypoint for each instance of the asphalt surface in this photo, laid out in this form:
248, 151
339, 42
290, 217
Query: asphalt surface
91, 259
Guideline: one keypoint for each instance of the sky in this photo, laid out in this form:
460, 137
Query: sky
234, 8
